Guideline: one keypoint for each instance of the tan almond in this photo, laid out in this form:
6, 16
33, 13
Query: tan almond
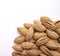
45, 19
42, 41
17, 47
52, 44
57, 23
58, 31
47, 22
16, 53
55, 53
29, 34
58, 50
49, 25
38, 35
19, 39
39, 27
33, 52
52, 34
27, 45
22, 30
46, 51
27, 25
37, 22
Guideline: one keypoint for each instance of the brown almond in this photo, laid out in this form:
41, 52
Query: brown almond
33, 52
29, 34
27, 25
57, 23
37, 22
17, 47
19, 39
42, 41
38, 35
39, 27
27, 45
52, 34
22, 30
46, 51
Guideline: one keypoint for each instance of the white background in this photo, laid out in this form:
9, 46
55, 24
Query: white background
14, 13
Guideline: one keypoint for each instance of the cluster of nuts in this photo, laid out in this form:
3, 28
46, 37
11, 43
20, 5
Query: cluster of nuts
39, 39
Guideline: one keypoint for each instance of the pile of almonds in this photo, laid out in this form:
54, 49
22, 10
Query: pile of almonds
39, 39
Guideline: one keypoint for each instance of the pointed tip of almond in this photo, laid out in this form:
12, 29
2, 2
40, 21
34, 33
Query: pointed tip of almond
13, 47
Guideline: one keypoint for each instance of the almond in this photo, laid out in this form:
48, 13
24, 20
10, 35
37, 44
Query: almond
39, 27
52, 44
46, 51
45, 19
52, 34
33, 52
29, 34
55, 53
22, 30
38, 35
42, 41
50, 25
16, 53
19, 39
17, 47
27, 45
